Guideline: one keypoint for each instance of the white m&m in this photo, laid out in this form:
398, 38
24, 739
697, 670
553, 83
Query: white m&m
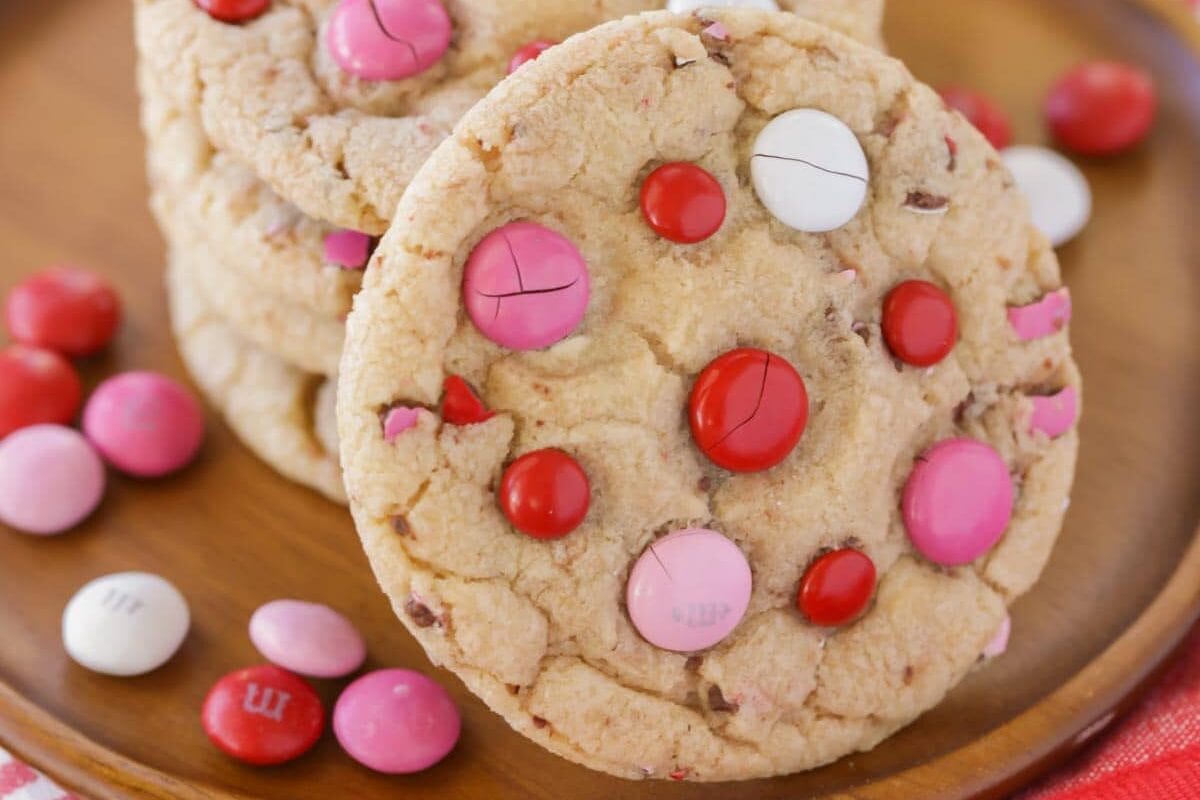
809, 170
1060, 200
125, 624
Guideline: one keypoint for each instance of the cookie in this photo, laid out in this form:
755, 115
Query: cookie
284, 415
337, 103
272, 246
719, 510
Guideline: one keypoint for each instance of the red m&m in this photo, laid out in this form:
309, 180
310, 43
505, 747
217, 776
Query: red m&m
234, 10
36, 386
837, 587
529, 52
982, 112
545, 494
263, 715
748, 410
71, 311
1102, 108
683, 203
460, 404
919, 323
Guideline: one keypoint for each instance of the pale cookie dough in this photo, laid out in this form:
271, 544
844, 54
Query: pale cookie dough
343, 149
285, 416
276, 250
539, 629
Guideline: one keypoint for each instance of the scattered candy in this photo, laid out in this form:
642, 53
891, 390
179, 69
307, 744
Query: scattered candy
748, 410
1102, 108
386, 40
125, 624
683, 203
50, 479
920, 324
688, 590
545, 494
526, 286
144, 424
234, 11
307, 638
396, 721
837, 587
36, 386
1055, 415
688, 6
70, 311
1044, 318
1060, 200
263, 715
999, 643
460, 404
958, 501
809, 170
399, 420
348, 249
529, 52
982, 112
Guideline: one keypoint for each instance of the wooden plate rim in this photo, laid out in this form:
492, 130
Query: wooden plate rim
1074, 713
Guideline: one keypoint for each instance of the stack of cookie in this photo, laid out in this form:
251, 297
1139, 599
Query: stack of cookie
281, 135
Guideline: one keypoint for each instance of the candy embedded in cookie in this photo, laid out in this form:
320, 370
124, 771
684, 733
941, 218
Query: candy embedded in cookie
688, 590
1046, 317
809, 170
526, 286
545, 494
837, 587
919, 323
683, 202
527, 53
234, 11
387, 40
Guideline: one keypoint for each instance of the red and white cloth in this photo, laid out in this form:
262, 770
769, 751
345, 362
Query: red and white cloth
20, 782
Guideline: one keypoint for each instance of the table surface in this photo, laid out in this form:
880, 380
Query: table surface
232, 534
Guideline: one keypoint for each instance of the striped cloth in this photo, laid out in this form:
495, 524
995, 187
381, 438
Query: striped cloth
18, 781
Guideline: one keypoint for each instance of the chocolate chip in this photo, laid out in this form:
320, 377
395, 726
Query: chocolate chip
705, 485
540, 722
863, 330
420, 613
952, 146
400, 525
717, 701
960, 411
693, 663
924, 201
679, 774
513, 689
720, 58
909, 672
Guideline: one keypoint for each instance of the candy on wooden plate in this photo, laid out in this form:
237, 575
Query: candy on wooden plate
307, 638
50, 479
1102, 108
36, 386
1060, 199
396, 721
263, 715
70, 311
125, 624
144, 424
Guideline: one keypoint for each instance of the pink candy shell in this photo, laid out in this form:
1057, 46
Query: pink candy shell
1055, 415
399, 420
999, 643
688, 590
1044, 318
417, 35
50, 479
348, 249
144, 424
958, 501
525, 286
307, 638
396, 721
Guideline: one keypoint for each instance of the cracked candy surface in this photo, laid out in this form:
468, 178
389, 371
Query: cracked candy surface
281, 413
341, 149
566, 144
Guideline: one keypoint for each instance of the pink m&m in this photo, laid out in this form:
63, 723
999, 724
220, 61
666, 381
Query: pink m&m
386, 40
1044, 318
688, 590
998, 644
958, 501
144, 424
50, 479
347, 249
525, 286
307, 638
1056, 414
396, 721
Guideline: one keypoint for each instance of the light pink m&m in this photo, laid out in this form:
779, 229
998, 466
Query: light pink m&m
144, 424
998, 644
50, 479
307, 638
1046, 317
347, 249
688, 590
958, 501
526, 286
386, 40
396, 721
1056, 414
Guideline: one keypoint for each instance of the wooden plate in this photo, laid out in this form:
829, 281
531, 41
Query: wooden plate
1123, 586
